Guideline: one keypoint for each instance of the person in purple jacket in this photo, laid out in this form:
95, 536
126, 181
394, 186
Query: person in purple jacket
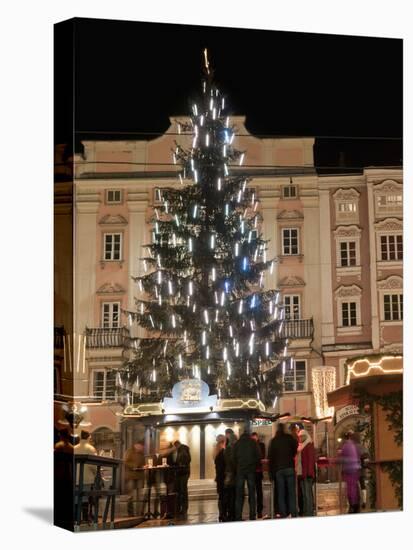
351, 468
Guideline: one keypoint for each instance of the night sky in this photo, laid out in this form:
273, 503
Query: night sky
130, 77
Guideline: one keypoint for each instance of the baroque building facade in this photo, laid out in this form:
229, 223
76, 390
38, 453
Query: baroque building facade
337, 238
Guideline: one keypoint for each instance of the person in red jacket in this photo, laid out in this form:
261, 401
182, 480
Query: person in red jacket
306, 471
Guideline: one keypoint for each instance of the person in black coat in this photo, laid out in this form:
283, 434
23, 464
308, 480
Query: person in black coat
182, 462
259, 475
281, 455
246, 460
219, 460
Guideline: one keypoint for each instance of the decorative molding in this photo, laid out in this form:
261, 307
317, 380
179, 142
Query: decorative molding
110, 219
396, 349
111, 288
388, 185
394, 282
389, 224
290, 215
291, 281
347, 231
347, 291
348, 271
346, 194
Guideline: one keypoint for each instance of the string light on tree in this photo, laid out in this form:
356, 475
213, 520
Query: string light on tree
203, 277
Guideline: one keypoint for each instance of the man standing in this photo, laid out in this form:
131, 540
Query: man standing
182, 463
246, 460
259, 475
281, 455
134, 477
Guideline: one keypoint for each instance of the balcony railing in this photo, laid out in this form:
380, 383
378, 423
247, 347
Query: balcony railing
106, 337
298, 328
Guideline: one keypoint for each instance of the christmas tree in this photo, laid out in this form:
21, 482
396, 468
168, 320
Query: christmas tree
201, 295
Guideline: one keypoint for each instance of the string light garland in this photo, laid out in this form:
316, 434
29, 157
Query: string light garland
203, 281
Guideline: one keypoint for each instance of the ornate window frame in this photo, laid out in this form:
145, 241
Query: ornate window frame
391, 285
348, 293
348, 198
342, 234
387, 188
388, 226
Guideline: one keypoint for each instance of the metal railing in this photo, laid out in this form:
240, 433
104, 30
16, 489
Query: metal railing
298, 328
106, 337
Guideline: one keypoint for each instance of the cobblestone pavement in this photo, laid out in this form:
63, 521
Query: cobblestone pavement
206, 511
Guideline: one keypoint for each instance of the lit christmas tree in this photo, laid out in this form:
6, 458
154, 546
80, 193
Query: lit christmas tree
201, 296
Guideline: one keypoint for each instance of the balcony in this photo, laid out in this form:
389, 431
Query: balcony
106, 337
298, 328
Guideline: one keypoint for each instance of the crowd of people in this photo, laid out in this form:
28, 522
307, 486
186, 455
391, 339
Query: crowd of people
239, 463
291, 467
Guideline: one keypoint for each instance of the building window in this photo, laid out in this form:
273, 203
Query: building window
112, 246
347, 207
290, 241
295, 377
111, 315
292, 307
348, 255
393, 307
392, 201
113, 196
391, 247
289, 192
104, 384
349, 314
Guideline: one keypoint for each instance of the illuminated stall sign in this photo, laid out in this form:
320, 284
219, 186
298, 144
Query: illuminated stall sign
261, 422
190, 394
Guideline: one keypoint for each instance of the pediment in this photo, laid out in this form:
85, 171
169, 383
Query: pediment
388, 185
394, 282
346, 194
347, 291
111, 219
347, 231
111, 288
389, 224
291, 281
290, 215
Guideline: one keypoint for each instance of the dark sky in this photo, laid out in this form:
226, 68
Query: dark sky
130, 76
